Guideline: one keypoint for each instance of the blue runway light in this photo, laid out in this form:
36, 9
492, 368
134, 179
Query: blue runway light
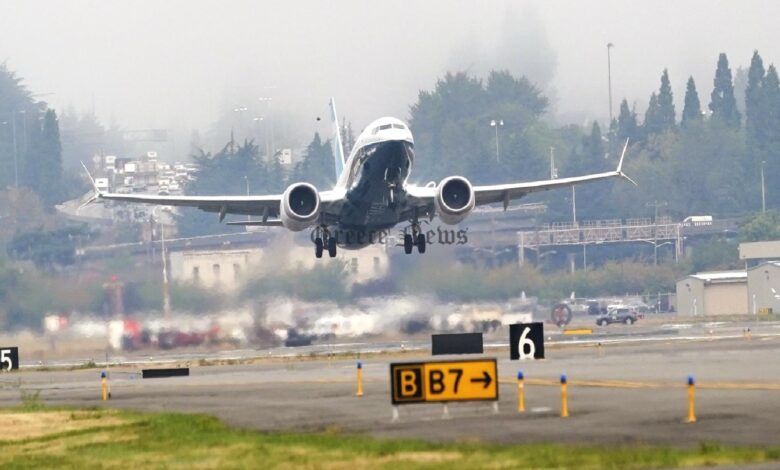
519, 375
690, 380
563, 378
359, 365
103, 375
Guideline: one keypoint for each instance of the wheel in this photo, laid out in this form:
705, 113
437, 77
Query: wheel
332, 247
408, 245
318, 247
421, 243
600, 323
629, 321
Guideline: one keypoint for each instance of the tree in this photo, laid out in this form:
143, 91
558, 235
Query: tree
50, 151
453, 135
760, 227
652, 124
627, 126
755, 104
317, 165
692, 108
666, 113
226, 172
722, 102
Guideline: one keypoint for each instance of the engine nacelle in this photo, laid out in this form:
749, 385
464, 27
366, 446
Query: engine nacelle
300, 206
454, 199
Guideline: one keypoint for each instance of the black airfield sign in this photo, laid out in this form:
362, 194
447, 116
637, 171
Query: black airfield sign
9, 358
457, 343
526, 341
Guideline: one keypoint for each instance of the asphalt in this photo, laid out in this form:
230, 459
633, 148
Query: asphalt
619, 393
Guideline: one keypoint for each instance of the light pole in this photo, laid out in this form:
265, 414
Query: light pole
246, 180
609, 80
655, 248
166, 287
656, 205
763, 188
496, 124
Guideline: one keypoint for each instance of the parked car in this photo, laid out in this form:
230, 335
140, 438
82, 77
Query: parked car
618, 315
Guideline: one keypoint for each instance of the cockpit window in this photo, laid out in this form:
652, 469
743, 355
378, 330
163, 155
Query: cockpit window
387, 126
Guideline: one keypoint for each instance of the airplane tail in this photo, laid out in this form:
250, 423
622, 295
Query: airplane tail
338, 148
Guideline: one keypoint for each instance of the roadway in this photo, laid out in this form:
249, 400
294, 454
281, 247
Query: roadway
620, 392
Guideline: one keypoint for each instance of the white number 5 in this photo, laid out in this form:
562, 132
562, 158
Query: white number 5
523, 342
5, 358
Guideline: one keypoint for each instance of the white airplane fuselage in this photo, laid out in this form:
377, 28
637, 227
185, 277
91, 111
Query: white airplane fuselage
374, 179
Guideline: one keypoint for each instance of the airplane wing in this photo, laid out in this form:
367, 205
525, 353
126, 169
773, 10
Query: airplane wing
266, 206
422, 197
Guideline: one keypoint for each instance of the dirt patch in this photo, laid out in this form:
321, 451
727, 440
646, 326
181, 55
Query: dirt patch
20, 426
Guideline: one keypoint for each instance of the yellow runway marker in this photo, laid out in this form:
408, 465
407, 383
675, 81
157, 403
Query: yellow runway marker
579, 331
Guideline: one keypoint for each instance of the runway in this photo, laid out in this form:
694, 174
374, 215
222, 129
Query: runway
619, 392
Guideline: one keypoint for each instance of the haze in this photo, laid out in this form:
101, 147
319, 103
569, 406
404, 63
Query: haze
182, 64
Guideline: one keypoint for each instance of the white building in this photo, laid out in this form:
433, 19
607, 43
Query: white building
764, 288
229, 268
713, 293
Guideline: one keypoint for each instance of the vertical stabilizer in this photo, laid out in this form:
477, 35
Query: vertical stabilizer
338, 148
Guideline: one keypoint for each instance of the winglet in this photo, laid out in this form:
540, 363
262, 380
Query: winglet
96, 194
619, 170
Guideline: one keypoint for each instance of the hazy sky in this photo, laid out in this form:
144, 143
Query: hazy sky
179, 64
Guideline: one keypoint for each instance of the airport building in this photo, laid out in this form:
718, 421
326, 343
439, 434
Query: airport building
713, 293
230, 268
764, 288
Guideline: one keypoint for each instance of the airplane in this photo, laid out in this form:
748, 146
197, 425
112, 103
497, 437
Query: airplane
372, 194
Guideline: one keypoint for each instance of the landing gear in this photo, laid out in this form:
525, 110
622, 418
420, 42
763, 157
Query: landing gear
420, 243
408, 243
324, 240
414, 238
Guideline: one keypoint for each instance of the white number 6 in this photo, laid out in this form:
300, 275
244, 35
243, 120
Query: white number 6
523, 342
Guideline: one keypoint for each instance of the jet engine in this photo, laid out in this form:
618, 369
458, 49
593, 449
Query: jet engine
300, 206
454, 199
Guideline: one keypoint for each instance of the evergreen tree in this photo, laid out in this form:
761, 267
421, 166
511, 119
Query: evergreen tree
316, 166
627, 126
666, 113
692, 109
49, 181
593, 145
756, 106
722, 102
652, 124
770, 88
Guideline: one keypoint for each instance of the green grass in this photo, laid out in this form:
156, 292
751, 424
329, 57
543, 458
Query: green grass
124, 439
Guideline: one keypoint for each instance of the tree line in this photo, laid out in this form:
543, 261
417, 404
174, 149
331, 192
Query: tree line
30, 148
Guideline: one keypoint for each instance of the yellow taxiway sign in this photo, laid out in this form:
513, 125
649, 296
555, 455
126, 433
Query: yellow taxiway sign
467, 380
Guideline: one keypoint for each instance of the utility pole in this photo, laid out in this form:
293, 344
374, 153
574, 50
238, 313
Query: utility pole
656, 205
166, 287
16, 161
609, 80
